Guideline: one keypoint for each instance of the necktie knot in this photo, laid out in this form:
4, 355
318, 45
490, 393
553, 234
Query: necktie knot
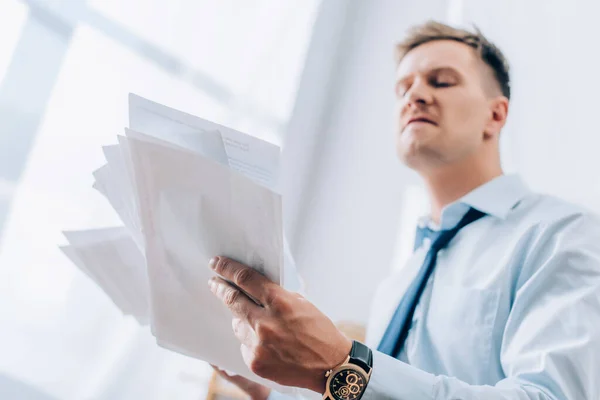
440, 239
423, 234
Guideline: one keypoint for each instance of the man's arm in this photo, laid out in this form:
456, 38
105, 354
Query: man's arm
550, 349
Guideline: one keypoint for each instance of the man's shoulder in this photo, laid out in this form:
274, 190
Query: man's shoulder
547, 210
550, 226
542, 222
554, 233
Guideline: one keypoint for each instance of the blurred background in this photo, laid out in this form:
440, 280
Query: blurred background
314, 76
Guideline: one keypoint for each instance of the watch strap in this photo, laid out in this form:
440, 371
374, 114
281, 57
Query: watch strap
362, 356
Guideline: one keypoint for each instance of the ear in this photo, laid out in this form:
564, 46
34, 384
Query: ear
498, 107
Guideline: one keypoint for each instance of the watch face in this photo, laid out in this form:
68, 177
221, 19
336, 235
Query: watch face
347, 384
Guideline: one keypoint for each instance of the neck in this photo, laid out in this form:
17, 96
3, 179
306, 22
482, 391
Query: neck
450, 183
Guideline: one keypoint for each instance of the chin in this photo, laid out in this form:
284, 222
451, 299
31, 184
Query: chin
411, 162
416, 156
408, 156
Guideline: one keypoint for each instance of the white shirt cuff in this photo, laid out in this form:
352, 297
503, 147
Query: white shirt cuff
394, 379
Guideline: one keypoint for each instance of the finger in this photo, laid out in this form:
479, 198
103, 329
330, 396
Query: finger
249, 280
238, 303
224, 374
236, 379
219, 371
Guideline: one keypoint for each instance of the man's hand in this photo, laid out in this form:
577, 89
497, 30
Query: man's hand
256, 391
285, 339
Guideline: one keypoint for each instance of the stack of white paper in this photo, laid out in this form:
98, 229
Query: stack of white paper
111, 258
186, 190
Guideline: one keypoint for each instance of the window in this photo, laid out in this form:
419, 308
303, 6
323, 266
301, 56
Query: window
66, 68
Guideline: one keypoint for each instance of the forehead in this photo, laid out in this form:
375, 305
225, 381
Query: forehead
438, 54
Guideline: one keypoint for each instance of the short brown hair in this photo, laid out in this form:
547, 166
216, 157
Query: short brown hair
489, 53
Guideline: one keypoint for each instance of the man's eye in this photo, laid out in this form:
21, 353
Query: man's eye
401, 91
443, 84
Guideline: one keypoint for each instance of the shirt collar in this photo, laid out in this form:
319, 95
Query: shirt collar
496, 198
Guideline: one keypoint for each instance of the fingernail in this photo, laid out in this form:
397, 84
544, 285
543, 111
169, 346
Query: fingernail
211, 282
213, 262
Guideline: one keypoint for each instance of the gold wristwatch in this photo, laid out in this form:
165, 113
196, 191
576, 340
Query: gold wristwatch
349, 380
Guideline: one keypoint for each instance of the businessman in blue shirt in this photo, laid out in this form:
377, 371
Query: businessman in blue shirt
501, 297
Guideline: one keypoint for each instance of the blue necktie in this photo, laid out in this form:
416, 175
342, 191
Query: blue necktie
397, 331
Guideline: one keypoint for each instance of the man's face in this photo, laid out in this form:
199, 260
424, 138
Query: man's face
445, 109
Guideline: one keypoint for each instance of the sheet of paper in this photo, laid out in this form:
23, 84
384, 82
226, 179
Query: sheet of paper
72, 254
113, 181
193, 209
93, 236
255, 158
110, 257
121, 185
176, 145
83, 257
176, 127
106, 182
128, 164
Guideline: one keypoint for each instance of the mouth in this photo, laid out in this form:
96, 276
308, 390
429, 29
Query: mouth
421, 120
416, 121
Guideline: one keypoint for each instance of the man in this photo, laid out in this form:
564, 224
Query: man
501, 298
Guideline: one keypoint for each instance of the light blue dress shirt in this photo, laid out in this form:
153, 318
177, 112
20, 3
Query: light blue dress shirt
511, 312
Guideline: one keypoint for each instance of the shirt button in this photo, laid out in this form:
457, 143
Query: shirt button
426, 243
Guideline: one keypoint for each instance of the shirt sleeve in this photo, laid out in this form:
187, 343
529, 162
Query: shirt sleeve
551, 343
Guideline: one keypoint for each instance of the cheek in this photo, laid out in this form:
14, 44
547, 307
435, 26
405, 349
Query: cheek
398, 113
464, 118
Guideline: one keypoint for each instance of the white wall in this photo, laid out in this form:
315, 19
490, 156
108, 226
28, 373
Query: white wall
348, 225
553, 137
312, 104
348, 229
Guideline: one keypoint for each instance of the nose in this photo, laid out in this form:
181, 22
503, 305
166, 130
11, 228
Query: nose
418, 95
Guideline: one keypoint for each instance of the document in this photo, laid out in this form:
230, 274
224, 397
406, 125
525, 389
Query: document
110, 257
186, 189
255, 158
